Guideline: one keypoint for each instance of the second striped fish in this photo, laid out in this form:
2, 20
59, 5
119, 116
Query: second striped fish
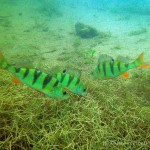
109, 68
72, 82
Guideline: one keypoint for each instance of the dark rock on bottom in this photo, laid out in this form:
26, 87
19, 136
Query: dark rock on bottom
85, 31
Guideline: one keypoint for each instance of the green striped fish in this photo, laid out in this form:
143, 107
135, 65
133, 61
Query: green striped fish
36, 79
71, 82
109, 68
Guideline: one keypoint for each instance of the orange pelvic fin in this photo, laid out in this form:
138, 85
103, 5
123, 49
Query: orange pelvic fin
16, 80
125, 75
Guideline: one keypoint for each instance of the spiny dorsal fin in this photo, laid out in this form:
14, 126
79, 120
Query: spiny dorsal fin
72, 72
24, 63
56, 69
67, 70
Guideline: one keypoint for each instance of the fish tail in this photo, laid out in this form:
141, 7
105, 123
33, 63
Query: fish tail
3, 61
139, 62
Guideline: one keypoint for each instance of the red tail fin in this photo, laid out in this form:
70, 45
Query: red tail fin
140, 60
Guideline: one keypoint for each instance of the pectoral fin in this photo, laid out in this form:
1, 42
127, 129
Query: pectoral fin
125, 75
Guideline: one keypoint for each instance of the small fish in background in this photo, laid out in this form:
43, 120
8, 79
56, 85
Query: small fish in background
70, 80
109, 68
36, 79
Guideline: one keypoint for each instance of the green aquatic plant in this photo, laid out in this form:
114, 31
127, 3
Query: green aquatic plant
138, 32
115, 111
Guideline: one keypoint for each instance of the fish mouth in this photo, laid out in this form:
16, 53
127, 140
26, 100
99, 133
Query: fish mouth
66, 97
58, 97
63, 97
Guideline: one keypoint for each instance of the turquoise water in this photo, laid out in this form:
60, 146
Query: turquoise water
41, 26
53, 34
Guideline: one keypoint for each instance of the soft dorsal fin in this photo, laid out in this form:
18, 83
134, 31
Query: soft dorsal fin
24, 63
105, 57
122, 59
24, 66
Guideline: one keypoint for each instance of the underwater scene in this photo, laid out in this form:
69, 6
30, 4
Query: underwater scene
74, 74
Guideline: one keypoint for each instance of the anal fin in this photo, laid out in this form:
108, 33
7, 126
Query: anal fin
125, 75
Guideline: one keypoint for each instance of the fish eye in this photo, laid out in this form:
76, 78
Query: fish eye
112, 60
64, 71
84, 89
64, 93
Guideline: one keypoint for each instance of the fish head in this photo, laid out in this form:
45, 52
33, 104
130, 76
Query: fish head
81, 89
59, 93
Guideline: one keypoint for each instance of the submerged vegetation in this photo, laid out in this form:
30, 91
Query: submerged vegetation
114, 114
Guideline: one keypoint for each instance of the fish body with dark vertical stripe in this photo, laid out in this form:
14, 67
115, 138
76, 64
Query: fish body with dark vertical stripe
36, 79
72, 83
109, 68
